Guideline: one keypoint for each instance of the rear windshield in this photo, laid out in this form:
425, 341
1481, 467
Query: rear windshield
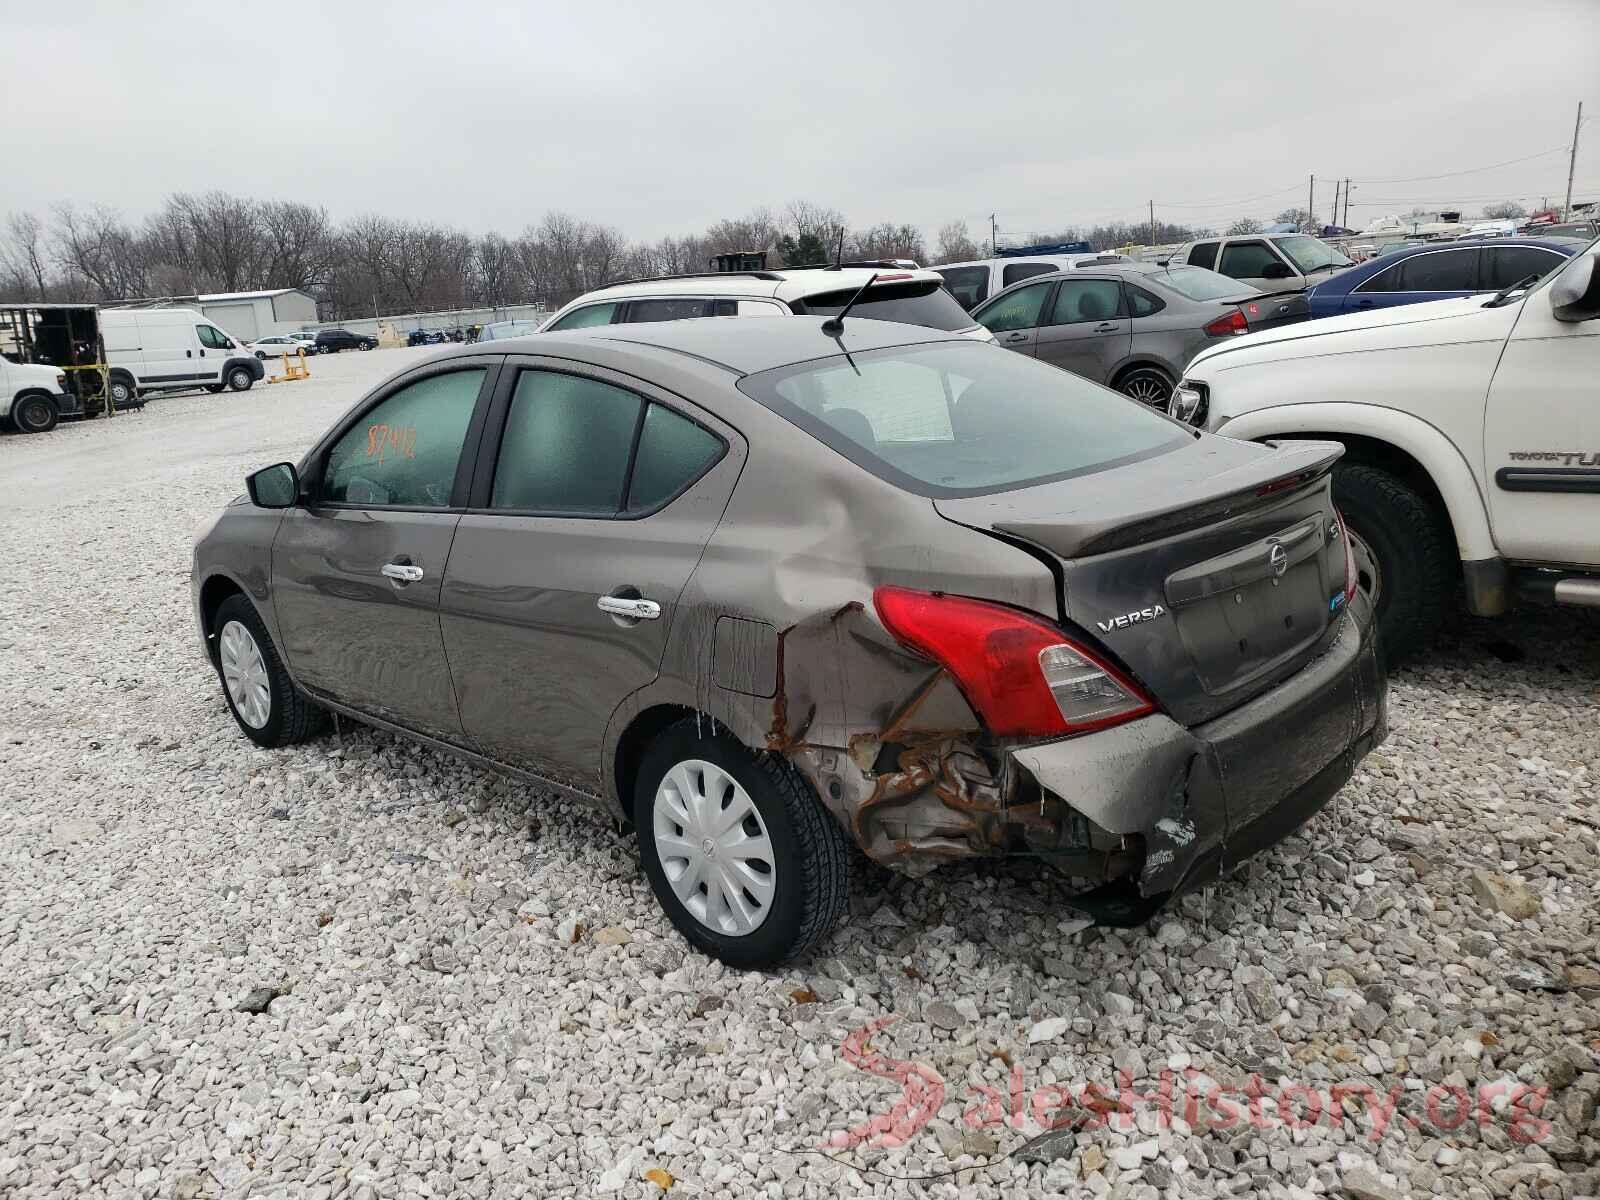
1197, 283
962, 418
920, 302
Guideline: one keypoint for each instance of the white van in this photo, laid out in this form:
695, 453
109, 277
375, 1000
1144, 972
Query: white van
161, 349
971, 283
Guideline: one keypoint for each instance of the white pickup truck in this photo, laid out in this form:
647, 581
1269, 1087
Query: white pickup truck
33, 398
1472, 439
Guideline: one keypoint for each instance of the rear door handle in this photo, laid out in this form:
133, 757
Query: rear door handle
402, 572
1016, 337
626, 606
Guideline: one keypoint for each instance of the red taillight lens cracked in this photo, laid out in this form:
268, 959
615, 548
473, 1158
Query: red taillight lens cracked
1023, 676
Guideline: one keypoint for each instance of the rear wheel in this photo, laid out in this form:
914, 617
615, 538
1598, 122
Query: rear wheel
740, 852
365, 346
1404, 553
1148, 385
34, 413
270, 710
123, 390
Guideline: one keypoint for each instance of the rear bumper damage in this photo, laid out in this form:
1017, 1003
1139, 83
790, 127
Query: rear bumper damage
1148, 809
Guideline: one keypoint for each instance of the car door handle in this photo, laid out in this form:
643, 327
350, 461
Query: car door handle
626, 606
402, 572
1016, 337
1107, 327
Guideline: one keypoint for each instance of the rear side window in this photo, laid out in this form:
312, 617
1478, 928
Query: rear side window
1505, 265
1384, 281
1203, 254
1440, 271
969, 285
404, 451
919, 302
959, 419
1016, 310
1246, 260
666, 309
673, 451
1017, 272
589, 314
1086, 300
1141, 303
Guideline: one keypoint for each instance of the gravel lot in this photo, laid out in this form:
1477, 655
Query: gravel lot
479, 996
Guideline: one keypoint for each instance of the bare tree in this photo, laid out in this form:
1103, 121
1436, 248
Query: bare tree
23, 256
1298, 217
955, 244
1506, 210
102, 257
888, 241
1244, 225
298, 244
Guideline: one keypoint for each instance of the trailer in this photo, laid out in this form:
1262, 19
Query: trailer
68, 338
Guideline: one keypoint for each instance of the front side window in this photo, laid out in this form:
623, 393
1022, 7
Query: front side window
589, 314
1506, 265
1203, 254
1387, 280
1016, 310
1017, 272
959, 419
969, 285
1247, 260
405, 450
1440, 271
1087, 300
213, 338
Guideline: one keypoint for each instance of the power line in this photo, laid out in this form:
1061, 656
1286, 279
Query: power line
1561, 149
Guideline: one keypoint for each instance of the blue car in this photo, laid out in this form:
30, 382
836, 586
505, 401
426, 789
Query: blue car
1438, 271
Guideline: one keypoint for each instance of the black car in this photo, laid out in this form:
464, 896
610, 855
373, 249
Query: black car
331, 341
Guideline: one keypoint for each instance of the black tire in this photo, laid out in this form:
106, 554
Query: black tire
811, 854
240, 379
292, 716
123, 390
364, 347
216, 388
262, 355
1413, 549
34, 413
1148, 385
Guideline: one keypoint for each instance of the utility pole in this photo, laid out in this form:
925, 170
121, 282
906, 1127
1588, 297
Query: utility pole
994, 243
1334, 219
1346, 221
1152, 224
1572, 162
1311, 204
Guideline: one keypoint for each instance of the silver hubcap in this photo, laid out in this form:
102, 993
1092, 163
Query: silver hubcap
244, 674
240, 379
1147, 389
714, 848
1368, 577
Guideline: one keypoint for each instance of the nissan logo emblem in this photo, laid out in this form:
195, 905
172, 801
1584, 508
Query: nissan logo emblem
1278, 560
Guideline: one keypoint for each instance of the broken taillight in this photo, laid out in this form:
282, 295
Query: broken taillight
1022, 675
1351, 575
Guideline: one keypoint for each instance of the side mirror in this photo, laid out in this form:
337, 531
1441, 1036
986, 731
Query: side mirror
277, 486
1274, 270
1575, 293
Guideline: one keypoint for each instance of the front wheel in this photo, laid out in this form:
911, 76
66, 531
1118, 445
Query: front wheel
240, 379
1404, 553
270, 710
364, 347
738, 849
34, 414
1147, 385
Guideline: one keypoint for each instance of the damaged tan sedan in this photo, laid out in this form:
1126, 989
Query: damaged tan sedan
767, 588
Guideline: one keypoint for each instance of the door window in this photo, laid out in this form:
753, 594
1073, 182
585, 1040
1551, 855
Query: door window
1019, 310
1506, 265
1141, 303
213, 338
1203, 254
677, 309
589, 314
1086, 300
1440, 271
1245, 260
759, 308
1017, 272
1387, 280
969, 285
404, 452
673, 453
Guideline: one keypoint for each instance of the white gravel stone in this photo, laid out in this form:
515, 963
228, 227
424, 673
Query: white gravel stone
435, 1031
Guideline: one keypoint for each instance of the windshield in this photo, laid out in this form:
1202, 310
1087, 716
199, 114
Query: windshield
1197, 283
1309, 254
922, 302
962, 418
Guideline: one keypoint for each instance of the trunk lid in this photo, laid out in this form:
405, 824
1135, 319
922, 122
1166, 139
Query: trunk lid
1210, 572
1274, 309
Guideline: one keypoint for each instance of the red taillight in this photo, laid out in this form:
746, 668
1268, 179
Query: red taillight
1233, 323
1351, 576
1021, 674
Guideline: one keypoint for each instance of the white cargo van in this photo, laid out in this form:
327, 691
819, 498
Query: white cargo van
161, 349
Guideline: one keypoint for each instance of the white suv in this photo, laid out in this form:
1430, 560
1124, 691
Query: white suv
913, 297
1472, 439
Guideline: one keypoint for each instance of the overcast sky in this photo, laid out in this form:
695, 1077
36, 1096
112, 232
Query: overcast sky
660, 118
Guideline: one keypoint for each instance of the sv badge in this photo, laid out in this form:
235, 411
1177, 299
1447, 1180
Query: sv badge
1135, 617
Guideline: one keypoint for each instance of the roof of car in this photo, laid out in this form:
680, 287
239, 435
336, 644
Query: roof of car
740, 346
792, 283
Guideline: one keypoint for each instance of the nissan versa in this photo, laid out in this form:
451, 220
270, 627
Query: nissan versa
768, 588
